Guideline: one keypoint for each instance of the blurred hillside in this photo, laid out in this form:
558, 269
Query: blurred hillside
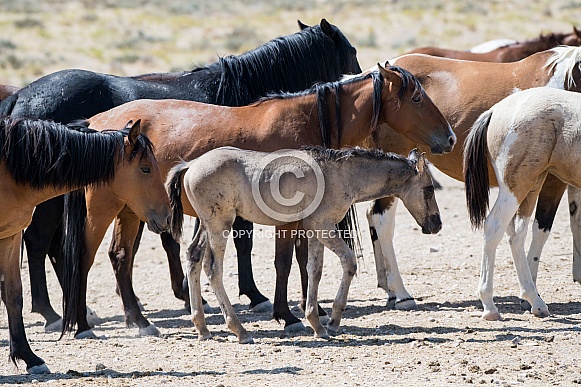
130, 37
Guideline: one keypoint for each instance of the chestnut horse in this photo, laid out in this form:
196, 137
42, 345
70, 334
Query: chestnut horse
227, 182
525, 136
341, 113
463, 90
40, 160
291, 63
509, 53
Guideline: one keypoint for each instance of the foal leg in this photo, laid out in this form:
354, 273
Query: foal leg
575, 222
381, 218
302, 257
517, 231
243, 243
11, 289
315, 270
46, 220
495, 225
214, 268
195, 255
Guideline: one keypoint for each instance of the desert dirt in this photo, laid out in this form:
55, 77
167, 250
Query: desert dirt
443, 341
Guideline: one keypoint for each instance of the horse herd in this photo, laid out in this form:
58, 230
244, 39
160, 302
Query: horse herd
65, 175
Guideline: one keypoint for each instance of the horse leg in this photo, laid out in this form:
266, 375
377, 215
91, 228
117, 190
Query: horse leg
547, 204
124, 232
349, 265
302, 257
11, 289
194, 257
46, 220
495, 225
517, 231
381, 219
213, 264
283, 256
243, 243
315, 270
574, 195
207, 307
172, 249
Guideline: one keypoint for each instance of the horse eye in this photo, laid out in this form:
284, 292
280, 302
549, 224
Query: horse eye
146, 170
429, 192
417, 98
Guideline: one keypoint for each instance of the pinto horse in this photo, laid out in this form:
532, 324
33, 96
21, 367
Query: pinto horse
226, 182
344, 113
463, 90
40, 160
289, 63
525, 136
508, 53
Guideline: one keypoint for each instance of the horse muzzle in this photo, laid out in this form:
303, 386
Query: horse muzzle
441, 147
158, 223
432, 225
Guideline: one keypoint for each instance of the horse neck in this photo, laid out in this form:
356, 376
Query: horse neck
356, 107
372, 179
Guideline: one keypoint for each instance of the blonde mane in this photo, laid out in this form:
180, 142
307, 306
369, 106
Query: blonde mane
569, 57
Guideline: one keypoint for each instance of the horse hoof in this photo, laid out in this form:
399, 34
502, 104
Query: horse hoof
263, 307
92, 318
390, 304
149, 330
246, 340
88, 334
525, 305
541, 313
56, 326
491, 316
207, 308
323, 336
406, 304
296, 327
38, 369
324, 319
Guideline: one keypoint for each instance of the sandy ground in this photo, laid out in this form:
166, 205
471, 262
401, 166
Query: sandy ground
444, 341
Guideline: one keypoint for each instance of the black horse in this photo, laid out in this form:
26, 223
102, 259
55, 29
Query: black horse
290, 63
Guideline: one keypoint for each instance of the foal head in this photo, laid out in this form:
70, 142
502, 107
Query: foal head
418, 195
408, 110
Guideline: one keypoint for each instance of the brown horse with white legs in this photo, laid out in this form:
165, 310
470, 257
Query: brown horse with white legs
40, 160
227, 182
338, 114
463, 90
509, 53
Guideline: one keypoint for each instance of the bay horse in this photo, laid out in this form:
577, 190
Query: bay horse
40, 160
463, 90
290, 63
226, 182
338, 113
6, 91
508, 53
525, 136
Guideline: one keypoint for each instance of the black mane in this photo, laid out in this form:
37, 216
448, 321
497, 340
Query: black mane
321, 153
47, 154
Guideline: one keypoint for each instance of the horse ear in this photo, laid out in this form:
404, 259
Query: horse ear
302, 26
327, 29
422, 163
576, 31
386, 65
387, 74
134, 131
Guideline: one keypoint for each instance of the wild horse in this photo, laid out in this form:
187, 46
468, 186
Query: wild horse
40, 160
289, 63
227, 182
508, 53
463, 90
336, 114
525, 136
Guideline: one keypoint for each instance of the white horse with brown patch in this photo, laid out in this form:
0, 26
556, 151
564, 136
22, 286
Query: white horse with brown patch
525, 137
314, 186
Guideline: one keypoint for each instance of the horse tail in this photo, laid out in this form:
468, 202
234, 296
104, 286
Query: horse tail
173, 185
73, 238
476, 170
